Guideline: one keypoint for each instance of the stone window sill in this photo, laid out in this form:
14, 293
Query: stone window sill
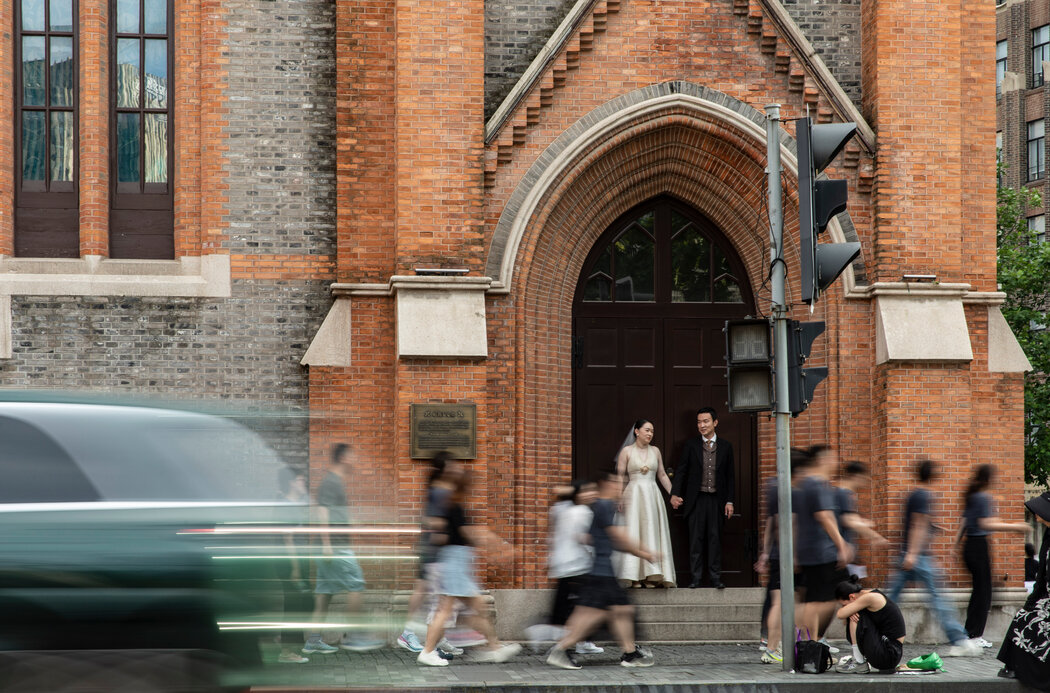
188, 277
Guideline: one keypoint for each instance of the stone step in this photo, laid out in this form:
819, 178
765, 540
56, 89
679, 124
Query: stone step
725, 613
671, 631
703, 595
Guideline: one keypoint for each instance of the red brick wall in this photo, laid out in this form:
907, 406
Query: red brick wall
927, 182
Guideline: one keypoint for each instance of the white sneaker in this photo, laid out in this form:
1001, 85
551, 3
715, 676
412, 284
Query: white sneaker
448, 648
965, 648
500, 654
431, 659
831, 648
588, 647
983, 643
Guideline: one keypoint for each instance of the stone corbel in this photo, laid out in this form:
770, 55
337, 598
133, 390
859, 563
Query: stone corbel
437, 317
441, 317
920, 322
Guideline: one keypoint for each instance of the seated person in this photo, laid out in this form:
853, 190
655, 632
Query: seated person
874, 626
1026, 647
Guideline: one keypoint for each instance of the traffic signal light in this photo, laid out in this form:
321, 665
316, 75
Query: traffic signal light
802, 381
818, 202
749, 362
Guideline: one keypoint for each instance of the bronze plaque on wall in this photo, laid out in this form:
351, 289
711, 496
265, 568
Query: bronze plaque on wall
448, 427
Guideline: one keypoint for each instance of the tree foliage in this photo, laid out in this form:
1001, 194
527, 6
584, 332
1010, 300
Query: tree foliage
1024, 276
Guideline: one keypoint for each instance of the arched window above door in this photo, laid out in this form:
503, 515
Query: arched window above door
661, 240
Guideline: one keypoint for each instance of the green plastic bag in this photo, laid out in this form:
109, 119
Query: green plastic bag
926, 662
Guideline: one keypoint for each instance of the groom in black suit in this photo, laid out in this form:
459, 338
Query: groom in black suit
704, 483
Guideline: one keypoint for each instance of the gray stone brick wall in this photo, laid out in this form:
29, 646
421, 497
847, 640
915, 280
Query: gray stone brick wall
243, 351
833, 27
515, 31
281, 100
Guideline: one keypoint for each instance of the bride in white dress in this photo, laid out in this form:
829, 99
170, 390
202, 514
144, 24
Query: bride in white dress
644, 511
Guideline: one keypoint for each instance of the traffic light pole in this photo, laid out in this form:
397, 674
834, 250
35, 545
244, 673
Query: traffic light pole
780, 385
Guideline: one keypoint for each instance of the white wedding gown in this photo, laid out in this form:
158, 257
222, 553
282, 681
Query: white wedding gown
645, 521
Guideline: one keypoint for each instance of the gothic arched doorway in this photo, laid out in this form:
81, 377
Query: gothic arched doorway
648, 314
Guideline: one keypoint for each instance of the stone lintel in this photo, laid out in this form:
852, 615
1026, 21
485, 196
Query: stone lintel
922, 325
441, 317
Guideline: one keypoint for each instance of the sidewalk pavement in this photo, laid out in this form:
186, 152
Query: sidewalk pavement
723, 667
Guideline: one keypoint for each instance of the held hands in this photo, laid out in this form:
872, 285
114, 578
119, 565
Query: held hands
676, 502
729, 510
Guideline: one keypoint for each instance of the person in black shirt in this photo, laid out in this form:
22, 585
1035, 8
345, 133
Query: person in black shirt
600, 596
1031, 565
1025, 653
917, 565
875, 627
979, 521
459, 539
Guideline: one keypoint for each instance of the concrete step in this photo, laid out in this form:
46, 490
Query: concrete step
677, 632
699, 613
703, 595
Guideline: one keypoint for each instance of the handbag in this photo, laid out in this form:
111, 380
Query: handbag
811, 656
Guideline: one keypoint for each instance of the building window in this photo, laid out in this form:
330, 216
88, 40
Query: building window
1000, 65
1036, 150
1040, 52
1037, 227
142, 154
46, 128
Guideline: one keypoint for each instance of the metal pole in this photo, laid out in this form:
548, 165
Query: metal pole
780, 366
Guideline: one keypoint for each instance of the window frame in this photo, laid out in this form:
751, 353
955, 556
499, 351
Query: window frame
1040, 143
1001, 64
142, 222
51, 205
1035, 227
1040, 53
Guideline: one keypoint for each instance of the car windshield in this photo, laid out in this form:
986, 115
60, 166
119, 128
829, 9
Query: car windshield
53, 453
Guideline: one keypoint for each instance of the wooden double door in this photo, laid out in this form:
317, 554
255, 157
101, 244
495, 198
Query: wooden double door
648, 343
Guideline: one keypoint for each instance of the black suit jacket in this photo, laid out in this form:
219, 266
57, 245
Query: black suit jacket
690, 472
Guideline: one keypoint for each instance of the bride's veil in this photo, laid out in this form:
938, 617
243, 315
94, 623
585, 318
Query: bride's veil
629, 440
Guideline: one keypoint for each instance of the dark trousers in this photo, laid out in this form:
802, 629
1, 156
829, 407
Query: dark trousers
975, 555
705, 527
880, 652
565, 599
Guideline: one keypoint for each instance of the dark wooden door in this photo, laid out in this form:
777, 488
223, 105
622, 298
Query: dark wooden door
655, 356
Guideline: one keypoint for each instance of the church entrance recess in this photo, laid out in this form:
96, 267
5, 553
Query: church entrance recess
648, 314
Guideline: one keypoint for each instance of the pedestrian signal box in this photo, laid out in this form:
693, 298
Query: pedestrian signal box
749, 364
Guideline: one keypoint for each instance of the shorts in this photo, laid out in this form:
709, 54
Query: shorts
821, 581
339, 573
455, 576
773, 581
882, 653
601, 592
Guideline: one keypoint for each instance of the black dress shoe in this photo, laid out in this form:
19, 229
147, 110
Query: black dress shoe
694, 584
719, 586
1005, 673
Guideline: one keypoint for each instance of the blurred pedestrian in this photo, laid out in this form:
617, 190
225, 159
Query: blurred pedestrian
294, 572
640, 466
338, 571
601, 598
821, 551
768, 563
917, 565
978, 522
456, 581
1025, 653
436, 498
571, 555
852, 525
874, 627
704, 487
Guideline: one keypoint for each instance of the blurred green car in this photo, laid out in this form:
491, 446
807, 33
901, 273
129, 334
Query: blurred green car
135, 531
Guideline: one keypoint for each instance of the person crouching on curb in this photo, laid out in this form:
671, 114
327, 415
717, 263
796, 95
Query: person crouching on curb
600, 595
874, 626
458, 539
